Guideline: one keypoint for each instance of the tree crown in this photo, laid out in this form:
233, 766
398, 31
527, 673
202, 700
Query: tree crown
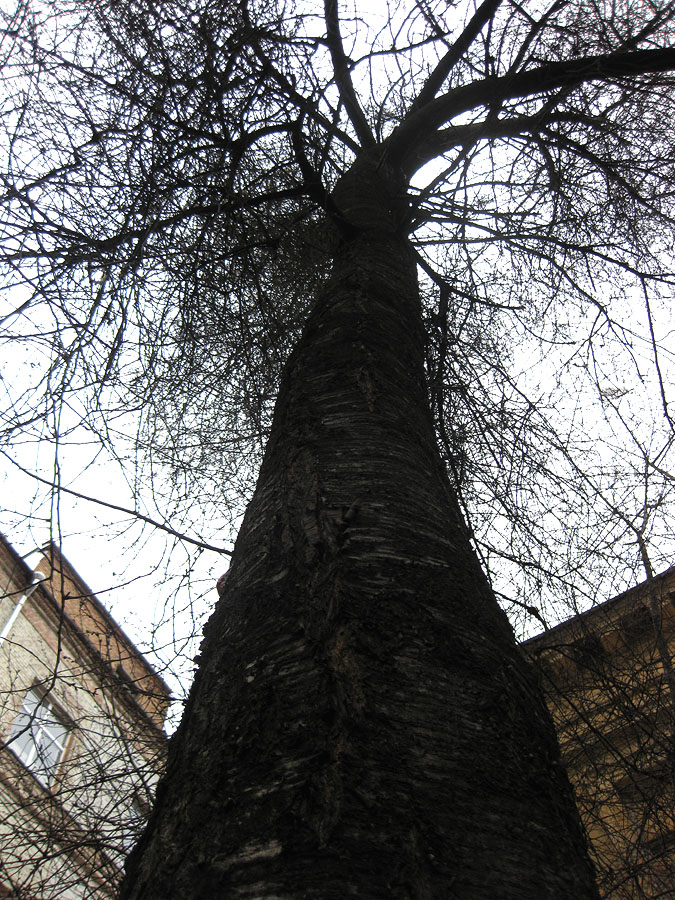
170, 211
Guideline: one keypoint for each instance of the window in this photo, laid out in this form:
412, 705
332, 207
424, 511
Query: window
38, 736
637, 624
588, 652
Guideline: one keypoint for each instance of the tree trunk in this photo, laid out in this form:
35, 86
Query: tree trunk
362, 723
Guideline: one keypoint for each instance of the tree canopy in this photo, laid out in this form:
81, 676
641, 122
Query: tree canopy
168, 215
181, 200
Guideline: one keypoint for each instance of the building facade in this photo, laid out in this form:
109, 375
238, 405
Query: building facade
610, 685
81, 738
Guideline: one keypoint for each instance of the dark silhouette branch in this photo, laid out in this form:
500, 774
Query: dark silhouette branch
343, 77
420, 125
439, 75
132, 513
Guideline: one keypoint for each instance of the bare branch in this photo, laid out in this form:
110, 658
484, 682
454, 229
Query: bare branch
439, 75
420, 125
343, 76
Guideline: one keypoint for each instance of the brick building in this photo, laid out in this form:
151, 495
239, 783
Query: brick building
81, 739
609, 682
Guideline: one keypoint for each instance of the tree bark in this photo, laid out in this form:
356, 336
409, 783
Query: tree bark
362, 723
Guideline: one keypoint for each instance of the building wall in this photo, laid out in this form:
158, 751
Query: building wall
608, 678
64, 834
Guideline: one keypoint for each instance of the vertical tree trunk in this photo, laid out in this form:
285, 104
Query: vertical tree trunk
362, 723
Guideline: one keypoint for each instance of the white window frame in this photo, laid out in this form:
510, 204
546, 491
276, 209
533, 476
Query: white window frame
39, 736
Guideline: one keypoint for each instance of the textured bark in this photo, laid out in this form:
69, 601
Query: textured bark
361, 724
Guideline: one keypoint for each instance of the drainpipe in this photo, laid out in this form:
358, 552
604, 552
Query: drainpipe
38, 577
